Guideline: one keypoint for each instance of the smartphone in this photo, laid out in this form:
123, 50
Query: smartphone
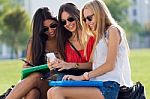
50, 57
26, 62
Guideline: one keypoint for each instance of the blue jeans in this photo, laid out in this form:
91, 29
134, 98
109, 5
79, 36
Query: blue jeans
110, 89
60, 76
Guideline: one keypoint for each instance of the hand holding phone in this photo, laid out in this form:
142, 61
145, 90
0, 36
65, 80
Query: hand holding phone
50, 57
29, 64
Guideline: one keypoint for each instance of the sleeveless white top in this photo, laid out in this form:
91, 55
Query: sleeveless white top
121, 72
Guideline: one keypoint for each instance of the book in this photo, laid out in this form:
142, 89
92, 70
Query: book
41, 68
76, 83
44, 69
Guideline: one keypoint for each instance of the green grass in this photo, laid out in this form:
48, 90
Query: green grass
140, 66
9, 73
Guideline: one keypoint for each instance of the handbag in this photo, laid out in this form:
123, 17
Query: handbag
4, 95
134, 92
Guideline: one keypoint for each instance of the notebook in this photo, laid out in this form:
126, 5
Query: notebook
41, 68
44, 68
76, 83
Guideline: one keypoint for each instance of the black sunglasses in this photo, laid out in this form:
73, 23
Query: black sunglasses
70, 19
89, 18
52, 26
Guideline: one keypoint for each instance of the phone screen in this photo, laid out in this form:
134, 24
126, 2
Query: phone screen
26, 62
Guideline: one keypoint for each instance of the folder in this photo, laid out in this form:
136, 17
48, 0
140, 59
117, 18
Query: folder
44, 69
76, 83
41, 68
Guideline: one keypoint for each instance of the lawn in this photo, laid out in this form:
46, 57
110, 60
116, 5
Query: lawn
140, 66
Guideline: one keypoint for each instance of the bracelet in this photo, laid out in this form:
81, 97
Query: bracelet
76, 65
86, 75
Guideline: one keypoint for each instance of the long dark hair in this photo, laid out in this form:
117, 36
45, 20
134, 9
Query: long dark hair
38, 37
63, 34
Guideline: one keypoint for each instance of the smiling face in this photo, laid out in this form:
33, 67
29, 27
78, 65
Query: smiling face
50, 28
89, 18
68, 21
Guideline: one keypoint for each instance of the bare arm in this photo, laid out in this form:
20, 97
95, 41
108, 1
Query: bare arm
64, 65
28, 55
114, 39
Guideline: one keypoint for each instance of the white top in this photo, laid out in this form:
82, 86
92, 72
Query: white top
121, 73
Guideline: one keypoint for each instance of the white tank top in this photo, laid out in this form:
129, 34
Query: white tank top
121, 73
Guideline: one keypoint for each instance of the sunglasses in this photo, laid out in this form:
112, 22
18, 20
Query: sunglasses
70, 19
52, 26
89, 18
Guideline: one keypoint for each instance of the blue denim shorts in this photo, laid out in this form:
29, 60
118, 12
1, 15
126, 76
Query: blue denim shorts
59, 76
110, 89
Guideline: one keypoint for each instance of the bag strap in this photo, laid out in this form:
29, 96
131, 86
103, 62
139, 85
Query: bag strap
75, 49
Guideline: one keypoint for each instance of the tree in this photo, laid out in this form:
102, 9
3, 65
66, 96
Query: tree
15, 29
118, 9
3, 9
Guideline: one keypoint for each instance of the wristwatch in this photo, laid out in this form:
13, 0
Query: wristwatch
76, 65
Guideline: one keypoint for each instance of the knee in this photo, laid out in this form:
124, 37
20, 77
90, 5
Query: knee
54, 91
33, 94
35, 75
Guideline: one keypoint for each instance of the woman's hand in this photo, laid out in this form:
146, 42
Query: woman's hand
72, 77
52, 64
61, 65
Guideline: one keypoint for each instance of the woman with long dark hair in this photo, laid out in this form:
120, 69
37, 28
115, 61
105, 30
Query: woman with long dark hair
43, 40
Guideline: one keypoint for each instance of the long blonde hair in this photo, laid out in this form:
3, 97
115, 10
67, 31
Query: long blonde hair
103, 18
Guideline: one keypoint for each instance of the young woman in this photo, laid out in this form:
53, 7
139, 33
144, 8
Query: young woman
110, 57
69, 40
43, 40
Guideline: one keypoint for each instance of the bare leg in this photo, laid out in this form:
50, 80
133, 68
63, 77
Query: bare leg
33, 94
43, 88
27, 84
74, 93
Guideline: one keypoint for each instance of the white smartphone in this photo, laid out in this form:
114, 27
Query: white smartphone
50, 57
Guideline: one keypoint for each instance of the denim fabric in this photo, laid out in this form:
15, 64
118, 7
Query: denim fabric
60, 76
110, 89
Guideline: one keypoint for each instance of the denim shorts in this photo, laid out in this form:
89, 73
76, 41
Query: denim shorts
59, 76
110, 89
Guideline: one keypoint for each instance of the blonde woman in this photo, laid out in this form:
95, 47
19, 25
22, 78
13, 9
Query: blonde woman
110, 57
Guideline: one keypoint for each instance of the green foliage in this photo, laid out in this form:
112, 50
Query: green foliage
15, 28
3, 9
132, 28
118, 9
